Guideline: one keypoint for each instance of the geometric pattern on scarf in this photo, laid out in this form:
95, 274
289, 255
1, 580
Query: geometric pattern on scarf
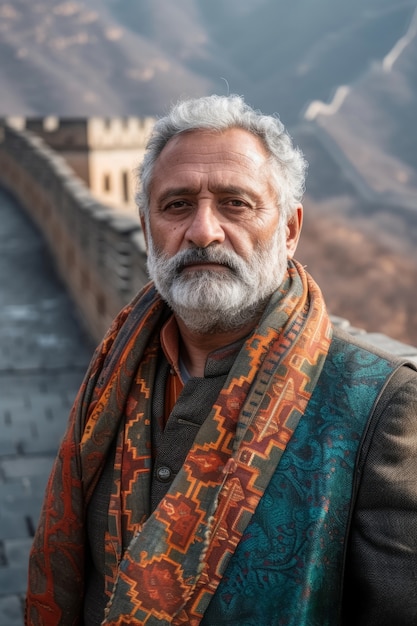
175, 558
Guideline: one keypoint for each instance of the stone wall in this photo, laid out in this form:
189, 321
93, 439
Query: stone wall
99, 254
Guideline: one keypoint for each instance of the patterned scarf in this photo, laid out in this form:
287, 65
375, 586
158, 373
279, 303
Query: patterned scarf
175, 557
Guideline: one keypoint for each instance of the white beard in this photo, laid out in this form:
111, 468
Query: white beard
210, 301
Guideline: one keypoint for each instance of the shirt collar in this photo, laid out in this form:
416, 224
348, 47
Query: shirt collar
219, 362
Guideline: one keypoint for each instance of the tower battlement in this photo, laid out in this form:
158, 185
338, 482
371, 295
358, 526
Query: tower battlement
104, 152
93, 133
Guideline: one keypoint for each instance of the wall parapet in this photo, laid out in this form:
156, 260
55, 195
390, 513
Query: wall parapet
100, 254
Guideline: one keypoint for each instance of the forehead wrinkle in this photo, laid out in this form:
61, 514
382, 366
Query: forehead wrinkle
206, 151
217, 174
220, 158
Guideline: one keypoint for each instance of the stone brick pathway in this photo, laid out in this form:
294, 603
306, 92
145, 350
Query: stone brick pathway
43, 356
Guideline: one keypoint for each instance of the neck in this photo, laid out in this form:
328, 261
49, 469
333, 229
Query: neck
195, 347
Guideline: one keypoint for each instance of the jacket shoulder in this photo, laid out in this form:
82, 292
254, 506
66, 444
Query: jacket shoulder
343, 341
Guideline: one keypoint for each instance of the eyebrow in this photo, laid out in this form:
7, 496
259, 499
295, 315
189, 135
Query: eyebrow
188, 191
177, 191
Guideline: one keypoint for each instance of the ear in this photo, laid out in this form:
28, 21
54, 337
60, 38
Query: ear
145, 232
293, 231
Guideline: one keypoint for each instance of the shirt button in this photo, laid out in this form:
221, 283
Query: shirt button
163, 474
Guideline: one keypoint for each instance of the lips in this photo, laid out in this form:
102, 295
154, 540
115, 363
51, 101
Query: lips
204, 266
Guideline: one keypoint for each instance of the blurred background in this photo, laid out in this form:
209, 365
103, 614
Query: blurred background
90, 76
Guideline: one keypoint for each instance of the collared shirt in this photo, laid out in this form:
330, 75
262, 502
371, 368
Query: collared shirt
175, 381
218, 363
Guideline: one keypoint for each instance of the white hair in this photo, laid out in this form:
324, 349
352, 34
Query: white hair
220, 113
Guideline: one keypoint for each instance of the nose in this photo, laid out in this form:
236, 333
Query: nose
205, 227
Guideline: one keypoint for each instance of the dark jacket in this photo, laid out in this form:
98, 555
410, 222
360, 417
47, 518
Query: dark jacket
334, 539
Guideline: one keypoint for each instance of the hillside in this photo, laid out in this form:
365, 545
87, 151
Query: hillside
365, 277
362, 195
361, 250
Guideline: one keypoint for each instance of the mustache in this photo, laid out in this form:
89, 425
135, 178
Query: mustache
205, 255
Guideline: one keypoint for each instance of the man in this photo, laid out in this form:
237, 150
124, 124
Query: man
230, 458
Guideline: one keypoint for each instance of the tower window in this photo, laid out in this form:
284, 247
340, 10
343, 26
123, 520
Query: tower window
125, 186
106, 182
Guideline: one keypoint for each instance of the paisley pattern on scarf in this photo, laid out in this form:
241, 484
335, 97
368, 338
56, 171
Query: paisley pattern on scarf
288, 568
176, 557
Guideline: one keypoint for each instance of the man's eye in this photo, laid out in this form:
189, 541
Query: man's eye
235, 202
177, 204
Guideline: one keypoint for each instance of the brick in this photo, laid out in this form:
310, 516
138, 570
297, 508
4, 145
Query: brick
11, 610
13, 581
17, 551
12, 525
26, 467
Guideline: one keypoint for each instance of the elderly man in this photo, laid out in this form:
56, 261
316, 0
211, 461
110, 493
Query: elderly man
231, 458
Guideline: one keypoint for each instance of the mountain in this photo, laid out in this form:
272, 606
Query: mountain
120, 57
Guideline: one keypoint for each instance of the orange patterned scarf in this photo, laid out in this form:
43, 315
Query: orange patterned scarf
175, 558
